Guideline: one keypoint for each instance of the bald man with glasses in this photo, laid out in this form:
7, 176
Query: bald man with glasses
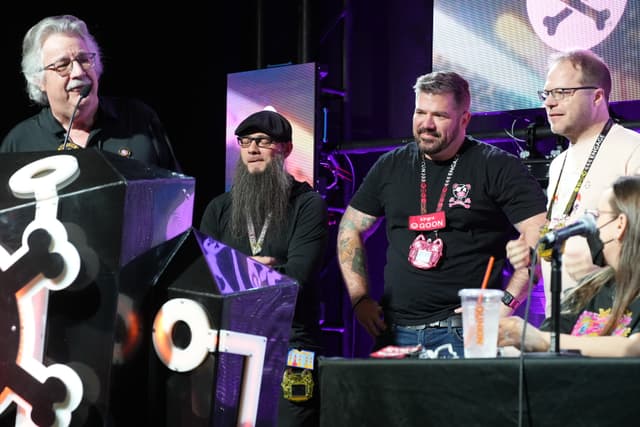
576, 100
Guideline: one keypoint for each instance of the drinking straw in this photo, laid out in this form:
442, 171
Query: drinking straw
487, 273
479, 314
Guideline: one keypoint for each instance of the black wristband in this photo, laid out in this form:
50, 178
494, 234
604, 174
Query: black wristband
359, 300
509, 300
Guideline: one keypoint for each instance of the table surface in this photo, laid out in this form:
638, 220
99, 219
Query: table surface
556, 391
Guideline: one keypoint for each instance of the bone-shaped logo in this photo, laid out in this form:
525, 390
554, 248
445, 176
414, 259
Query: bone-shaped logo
599, 16
569, 24
46, 261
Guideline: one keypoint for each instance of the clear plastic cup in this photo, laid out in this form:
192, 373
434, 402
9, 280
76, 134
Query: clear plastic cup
480, 316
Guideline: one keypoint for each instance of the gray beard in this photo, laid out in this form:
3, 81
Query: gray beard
255, 195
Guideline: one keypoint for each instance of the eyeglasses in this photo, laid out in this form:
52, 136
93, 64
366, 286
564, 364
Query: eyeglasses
261, 141
64, 66
596, 214
561, 93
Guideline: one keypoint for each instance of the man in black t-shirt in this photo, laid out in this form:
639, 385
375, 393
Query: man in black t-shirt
450, 204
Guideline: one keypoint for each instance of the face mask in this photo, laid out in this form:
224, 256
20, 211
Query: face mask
596, 246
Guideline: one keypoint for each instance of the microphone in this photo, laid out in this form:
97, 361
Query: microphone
585, 226
83, 94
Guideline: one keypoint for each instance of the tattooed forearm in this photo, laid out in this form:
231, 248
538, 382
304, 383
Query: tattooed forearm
358, 263
346, 224
367, 222
351, 251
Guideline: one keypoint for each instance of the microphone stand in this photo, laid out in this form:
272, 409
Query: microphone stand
556, 293
556, 290
83, 94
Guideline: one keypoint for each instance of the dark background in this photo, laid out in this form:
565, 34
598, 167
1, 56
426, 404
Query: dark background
168, 56
176, 56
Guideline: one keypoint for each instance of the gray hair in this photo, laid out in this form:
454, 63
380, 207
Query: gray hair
441, 82
32, 66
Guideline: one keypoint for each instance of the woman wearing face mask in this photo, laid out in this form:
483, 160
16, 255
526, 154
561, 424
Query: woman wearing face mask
601, 315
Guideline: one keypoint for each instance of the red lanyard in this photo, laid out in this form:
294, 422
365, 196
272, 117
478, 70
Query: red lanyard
423, 185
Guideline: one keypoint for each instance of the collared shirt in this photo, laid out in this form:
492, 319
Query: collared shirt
126, 127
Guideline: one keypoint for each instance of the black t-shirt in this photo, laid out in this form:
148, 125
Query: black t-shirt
126, 127
490, 190
592, 318
300, 249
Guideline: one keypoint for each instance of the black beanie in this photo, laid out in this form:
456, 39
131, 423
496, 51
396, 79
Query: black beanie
269, 122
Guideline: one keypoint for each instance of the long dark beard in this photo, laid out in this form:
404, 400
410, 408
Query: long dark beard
255, 195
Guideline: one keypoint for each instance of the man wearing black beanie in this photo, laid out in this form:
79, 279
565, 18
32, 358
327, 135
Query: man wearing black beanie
281, 223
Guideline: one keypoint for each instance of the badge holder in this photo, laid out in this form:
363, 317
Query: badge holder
297, 380
425, 254
297, 386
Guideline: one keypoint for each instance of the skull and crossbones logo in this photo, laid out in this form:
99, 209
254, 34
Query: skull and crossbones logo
46, 261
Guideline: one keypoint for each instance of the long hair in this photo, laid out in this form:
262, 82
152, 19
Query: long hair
625, 200
32, 66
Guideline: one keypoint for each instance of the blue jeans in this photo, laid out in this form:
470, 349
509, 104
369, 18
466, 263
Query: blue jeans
430, 338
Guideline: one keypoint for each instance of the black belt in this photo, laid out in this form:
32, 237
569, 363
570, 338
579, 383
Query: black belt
454, 321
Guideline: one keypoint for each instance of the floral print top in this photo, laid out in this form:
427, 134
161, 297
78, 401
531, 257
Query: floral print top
592, 319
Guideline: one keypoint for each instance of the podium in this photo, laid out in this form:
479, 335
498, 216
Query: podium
110, 211
116, 312
220, 335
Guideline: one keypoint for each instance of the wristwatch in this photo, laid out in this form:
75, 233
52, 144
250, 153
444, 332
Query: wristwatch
509, 300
